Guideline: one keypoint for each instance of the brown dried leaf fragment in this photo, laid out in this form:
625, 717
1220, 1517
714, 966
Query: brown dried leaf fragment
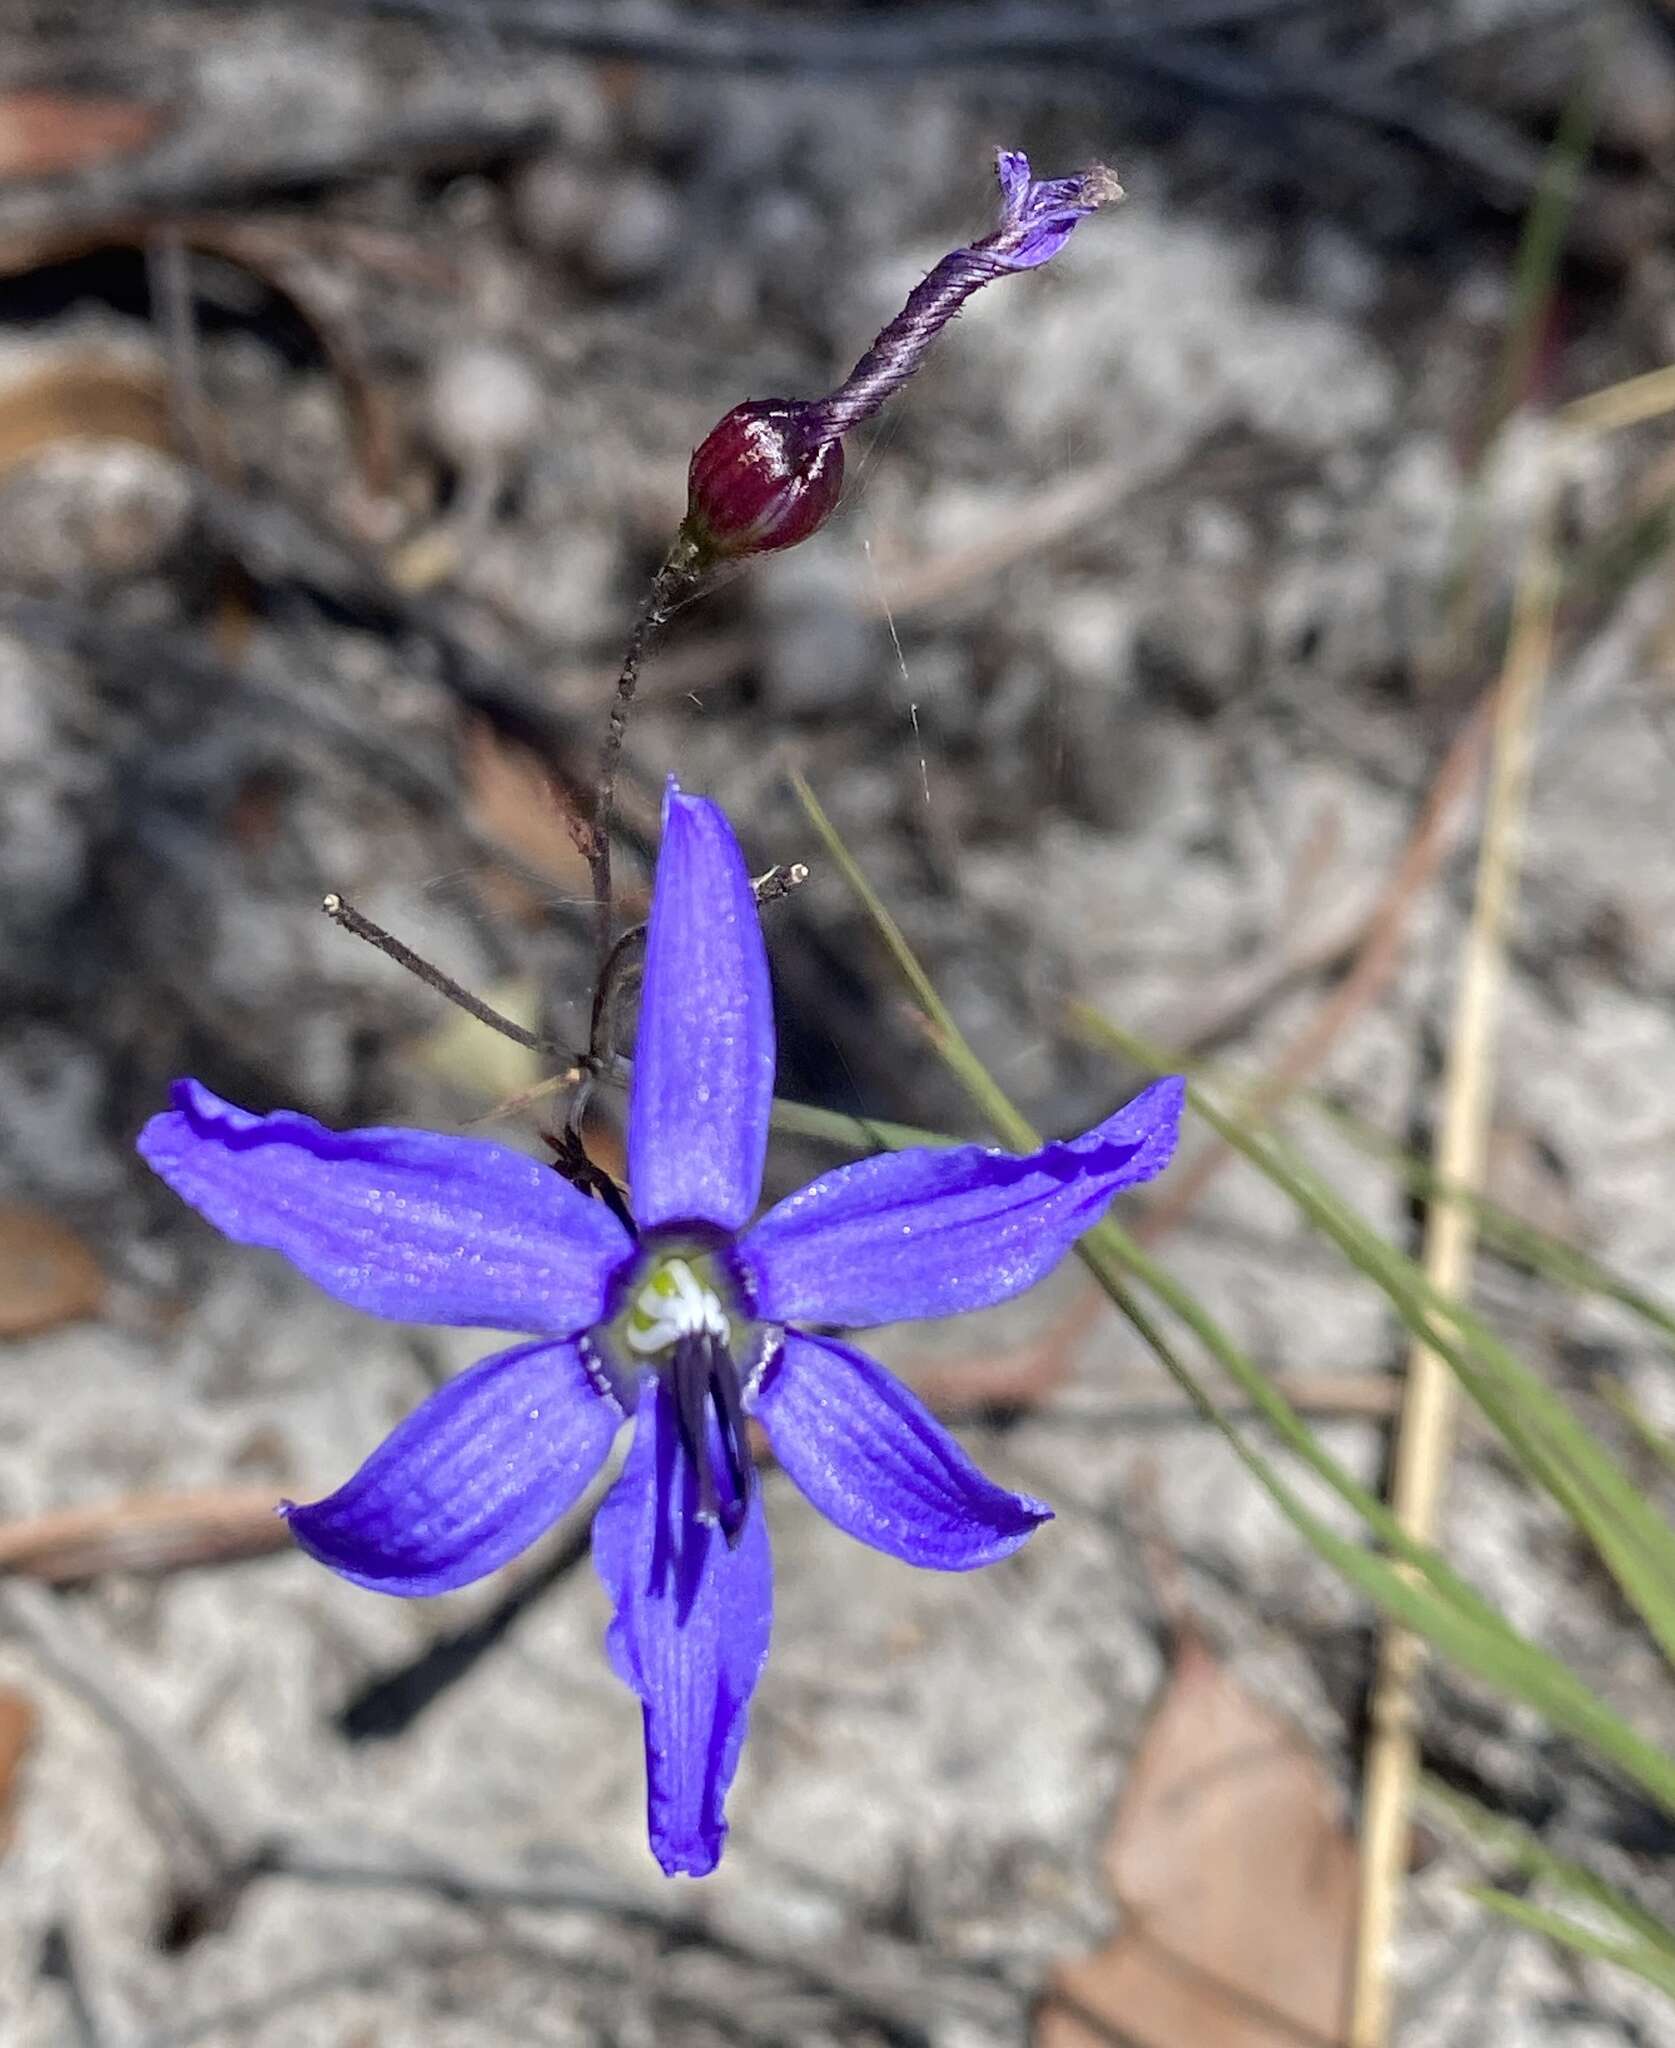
47, 134
47, 1275
1236, 1881
514, 798
85, 397
17, 1735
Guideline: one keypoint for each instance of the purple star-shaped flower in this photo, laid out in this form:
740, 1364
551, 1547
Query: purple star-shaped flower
696, 1322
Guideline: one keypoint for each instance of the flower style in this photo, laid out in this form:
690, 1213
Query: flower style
771, 471
694, 1323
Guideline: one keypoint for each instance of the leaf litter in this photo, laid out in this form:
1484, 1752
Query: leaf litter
1235, 1877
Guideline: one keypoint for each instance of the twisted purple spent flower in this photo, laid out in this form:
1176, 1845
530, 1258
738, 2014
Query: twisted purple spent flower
703, 1317
771, 471
1036, 220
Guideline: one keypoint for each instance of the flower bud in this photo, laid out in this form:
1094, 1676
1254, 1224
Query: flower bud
763, 478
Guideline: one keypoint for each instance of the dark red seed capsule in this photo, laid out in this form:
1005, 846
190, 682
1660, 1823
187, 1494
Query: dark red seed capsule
761, 479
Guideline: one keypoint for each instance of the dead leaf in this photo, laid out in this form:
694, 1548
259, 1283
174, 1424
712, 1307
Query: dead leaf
269, 251
47, 1275
44, 134
84, 397
17, 1734
1236, 1879
515, 800
94, 397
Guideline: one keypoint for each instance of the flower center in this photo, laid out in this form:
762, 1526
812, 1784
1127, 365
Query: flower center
673, 1303
676, 1321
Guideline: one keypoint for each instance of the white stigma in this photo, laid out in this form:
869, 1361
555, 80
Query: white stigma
674, 1303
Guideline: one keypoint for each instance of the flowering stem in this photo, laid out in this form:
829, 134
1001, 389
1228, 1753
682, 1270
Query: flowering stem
676, 579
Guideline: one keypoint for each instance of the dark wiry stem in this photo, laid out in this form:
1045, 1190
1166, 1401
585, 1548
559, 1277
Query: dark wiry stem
351, 920
677, 577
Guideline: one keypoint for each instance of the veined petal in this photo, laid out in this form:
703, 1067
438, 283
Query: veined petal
704, 1057
1038, 216
1013, 172
690, 1634
409, 1224
874, 1460
472, 1476
911, 1234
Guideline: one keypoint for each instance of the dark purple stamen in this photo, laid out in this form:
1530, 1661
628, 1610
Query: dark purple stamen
706, 1385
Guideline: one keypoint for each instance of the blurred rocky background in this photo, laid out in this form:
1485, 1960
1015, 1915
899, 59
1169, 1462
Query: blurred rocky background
350, 357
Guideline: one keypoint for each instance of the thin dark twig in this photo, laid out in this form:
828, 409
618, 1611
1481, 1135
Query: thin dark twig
169, 270
924, 38
771, 887
458, 132
1180, 48
351, 920
608, 988
599, 832
673, 581
570, 1155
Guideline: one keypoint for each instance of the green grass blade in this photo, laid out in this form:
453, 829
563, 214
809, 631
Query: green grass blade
1430, 1598
1440, 1607
1653, 1964
854, 1133
1113, 1253
1566, 1266
1511, 1842
1661, 1447
1558, 1453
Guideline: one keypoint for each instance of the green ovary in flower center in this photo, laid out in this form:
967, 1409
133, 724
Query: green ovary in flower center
677, 1297
676, 1320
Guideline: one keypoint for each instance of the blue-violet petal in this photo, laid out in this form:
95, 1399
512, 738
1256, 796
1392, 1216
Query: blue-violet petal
704, 1056
690, 1633
472, 1477
1038, 216
925, 1233
874, 1460
408, 1224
